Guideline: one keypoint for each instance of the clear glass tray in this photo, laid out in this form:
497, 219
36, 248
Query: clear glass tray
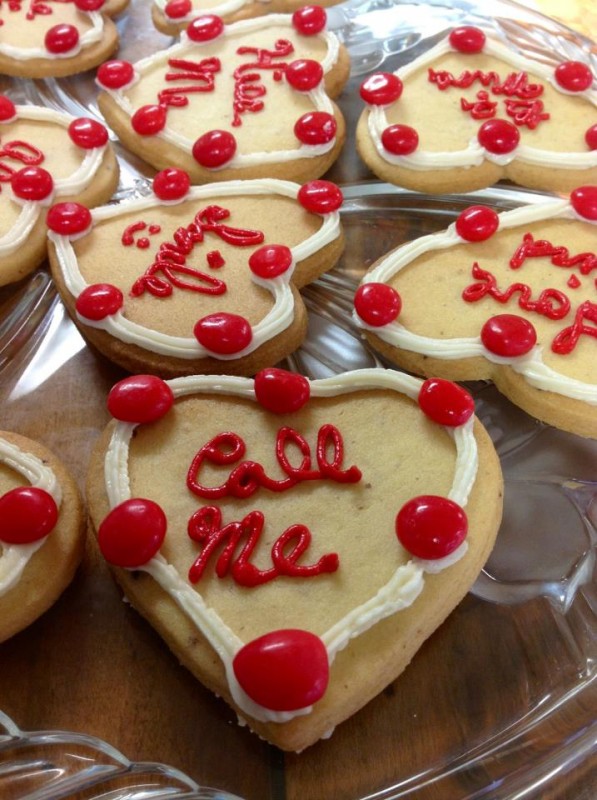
500, 704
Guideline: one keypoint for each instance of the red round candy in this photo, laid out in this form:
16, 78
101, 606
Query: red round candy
467, 39
498, 136
280, 391
315, 127
115, 74
381, 89
132, 533
140, 399
171, 184
445, 402
98, 301
68, 219
431, 527
32, 183
270, 260
320, 197
149, 120
61, 38
477, 223
400, 140
205, 28
377, 304
574, 76
89, 5
88, 133
584, 202
508, 335
214, 149
309, 20
304, 74
283, 670
223, 333
591, 137
27, 514
176, 9
7, 109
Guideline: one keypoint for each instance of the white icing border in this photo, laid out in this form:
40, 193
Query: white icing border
278, 319
90, 37
398, 593
530, 366
475, 153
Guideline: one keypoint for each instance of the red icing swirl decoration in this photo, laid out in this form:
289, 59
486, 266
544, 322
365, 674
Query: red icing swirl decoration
23, 153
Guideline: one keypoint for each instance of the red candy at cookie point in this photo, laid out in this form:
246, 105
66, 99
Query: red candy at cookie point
283, 670
591, 137
508, 335
320, 197
270, 260
176, 9
498, 136
309, 20
32, 184
7, 109
205, 28
68, 219
61, 39
381, 89
445, 402
132, 533
584, 202
574, 76
304, 74
88, 133
140, 399
280, 391
115, 74
477, 223
377, 304
28, 513
315, 127
223, 333
214, 149
400, 140
171, 184
149, 120
98, 301
89, 5
431, 526
467, 39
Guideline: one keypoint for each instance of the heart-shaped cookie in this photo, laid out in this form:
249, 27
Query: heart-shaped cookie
41, 531
246, 100
294, 541
45, 156
196, 279
472, 110
54, 38
510, 297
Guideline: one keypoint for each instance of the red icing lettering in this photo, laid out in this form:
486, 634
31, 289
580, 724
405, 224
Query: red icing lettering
201, 73
482, 108
526, 112
248, 89
559, 256
566, 340
19, 151
128, 237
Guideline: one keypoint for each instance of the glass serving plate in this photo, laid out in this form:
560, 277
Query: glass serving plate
500, 703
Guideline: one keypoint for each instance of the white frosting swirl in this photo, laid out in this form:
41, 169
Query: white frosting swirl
90, 37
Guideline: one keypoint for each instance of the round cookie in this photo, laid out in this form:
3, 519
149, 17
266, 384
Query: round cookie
42, 525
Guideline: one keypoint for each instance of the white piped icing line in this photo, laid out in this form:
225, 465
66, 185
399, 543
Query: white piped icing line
15, 557
475, 154
398, 593
91, 36
531, 365
279, 317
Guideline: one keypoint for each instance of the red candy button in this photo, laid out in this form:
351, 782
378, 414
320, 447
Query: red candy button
61, 39
223, 333
445, 402
7, 109
89, 5
381, 89
98, 301
171, 184
400, 140
591, 137
320, 197
175, 9
304, 74
315, 127
283, 670
132, 533
377, 304
205, 28
467, 39
477, 223
149, 120
574, 76
280, 391
508, 335
584, 202
115, 74
140, 399
309, 20
270, 260
87, 133
27, 514
431, 527
32, 184
498, 136
68, 219
214, 149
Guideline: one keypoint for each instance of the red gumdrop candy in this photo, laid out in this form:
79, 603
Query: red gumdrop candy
508, 335
431, 527
304, 74
149, 120
400, 140
381, 89
377, 304
176, 9
498, 136
283, 670
467, 39
223, 333
89, 5
477, 223
7, 109
61, 39
320, 197
171, 184
32, 183
88, 133
27, 514
591, 137
574, 76
98, 301
132, 533
68, 219
315, 127
214, 149
584, 202
309, 20
115, 74
280, 391
140, 399
205, 28
270, 260
445, 402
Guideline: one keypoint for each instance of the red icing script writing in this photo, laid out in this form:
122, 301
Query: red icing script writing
248, 87
244, 479
170, 262
521, 103
199, 77
21, 152
34, 7
551, 303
